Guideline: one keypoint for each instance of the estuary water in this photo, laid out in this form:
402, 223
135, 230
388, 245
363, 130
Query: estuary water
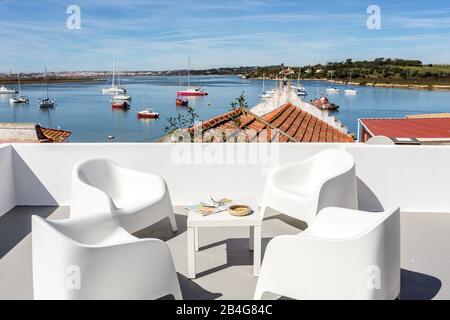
84, 110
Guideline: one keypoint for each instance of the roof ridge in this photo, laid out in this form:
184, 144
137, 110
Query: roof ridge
272, 126
215, 121
280, 109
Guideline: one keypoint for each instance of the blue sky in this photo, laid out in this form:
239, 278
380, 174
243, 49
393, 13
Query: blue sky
159, 34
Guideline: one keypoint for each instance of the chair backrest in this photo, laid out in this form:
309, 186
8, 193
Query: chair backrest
324, 165
100, 174
370, 249
341, 223
77, 231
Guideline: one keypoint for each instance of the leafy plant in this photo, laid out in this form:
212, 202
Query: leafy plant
181, 121
240, 102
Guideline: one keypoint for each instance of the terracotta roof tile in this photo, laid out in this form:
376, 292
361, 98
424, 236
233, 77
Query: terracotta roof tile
287, 123
409, 127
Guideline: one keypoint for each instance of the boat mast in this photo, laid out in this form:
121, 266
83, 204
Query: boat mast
18, 80
264, 87
118, 77
113, 75
46, 81
189, 70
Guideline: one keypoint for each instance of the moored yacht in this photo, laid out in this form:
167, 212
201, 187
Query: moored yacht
122, 97
333, 90
19, 99
301, 90
148, 114
351, 91
191, 91
115, 88
265, 94
5, 90
47, 102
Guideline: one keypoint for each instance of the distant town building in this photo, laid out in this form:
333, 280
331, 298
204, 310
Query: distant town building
31, 133
418, 130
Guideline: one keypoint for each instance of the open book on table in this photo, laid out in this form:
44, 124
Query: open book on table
210, 206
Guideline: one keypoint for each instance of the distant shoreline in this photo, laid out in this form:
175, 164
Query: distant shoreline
368, 84
41, 81
395, 85
375, 84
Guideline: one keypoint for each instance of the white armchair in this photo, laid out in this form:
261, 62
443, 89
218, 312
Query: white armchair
302, 189
137, 199
345, 254
94, 258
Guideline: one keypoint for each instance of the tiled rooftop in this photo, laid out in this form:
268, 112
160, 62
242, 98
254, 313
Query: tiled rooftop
287, 123
409, 127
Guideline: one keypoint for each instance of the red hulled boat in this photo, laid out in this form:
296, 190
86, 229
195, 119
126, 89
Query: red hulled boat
148, 114
120, 105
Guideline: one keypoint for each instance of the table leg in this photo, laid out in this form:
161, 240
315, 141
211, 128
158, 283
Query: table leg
251, 238
256, 250
191, 252
196, 238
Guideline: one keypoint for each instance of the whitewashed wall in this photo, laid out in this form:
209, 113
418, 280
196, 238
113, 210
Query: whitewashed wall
417, 178
7, 188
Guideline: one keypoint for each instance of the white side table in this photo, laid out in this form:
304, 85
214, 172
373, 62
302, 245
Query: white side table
224, 219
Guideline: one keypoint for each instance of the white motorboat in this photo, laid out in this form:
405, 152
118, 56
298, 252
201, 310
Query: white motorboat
333, 90
21, 99
5, 90
148, 114
301, 91
351, 91
122, 97
265, 95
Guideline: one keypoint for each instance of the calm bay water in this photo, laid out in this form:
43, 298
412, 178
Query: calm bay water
82, 109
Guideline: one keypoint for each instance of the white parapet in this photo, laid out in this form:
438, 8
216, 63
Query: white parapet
414, 177
7, 193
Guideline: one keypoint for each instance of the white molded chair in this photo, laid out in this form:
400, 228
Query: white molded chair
345, 254
94, 258
137, 199
302, 189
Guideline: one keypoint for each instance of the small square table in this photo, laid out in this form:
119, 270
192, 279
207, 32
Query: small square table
224, 219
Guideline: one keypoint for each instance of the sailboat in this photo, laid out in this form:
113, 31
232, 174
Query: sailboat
20, 99
332, 89
301, 91
115, 88
47, 102
265, 94
191, 91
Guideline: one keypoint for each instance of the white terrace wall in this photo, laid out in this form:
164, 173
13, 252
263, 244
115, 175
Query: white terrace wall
7, 189
416, 178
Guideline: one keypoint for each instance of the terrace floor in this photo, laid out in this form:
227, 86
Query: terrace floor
224, 264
